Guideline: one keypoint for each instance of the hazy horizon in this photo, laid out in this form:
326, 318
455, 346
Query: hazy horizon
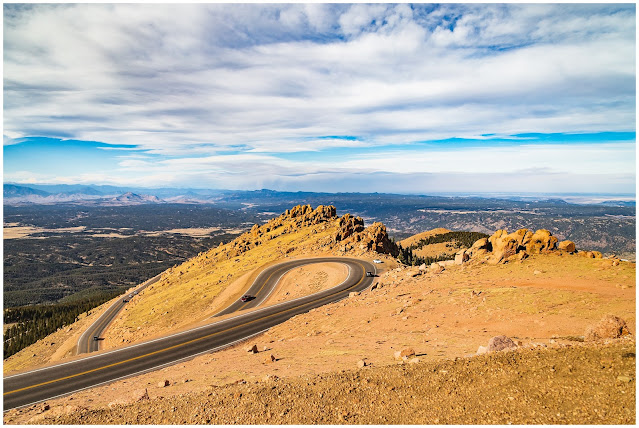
392, 98
572, 197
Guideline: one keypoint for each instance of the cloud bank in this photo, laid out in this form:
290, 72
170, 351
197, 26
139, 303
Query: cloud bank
232, 89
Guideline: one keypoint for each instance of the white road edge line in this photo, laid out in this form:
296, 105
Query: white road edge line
172, 335
143, 371
109, 308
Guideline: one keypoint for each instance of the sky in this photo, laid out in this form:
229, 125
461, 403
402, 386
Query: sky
322, 97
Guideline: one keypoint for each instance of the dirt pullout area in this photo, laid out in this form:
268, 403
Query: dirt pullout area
307, 280
592, 384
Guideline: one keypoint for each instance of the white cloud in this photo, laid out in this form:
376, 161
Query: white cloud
200, 80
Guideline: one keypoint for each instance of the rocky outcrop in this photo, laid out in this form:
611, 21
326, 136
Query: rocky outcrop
610, 327
502, 247
373, 238
291, 220
542, 241
348, 225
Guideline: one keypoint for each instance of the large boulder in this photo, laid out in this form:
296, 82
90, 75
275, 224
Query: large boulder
480, 248
610, 327
522, 237
567, 246
541, 241
505, 246
481, 244
496, 239
461, 257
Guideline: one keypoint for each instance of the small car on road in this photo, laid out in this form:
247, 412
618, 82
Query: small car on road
369, 273
246, 298
96, 338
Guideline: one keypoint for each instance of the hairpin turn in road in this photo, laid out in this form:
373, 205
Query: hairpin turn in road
62, 379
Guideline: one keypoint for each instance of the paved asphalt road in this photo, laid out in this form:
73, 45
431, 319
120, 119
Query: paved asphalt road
86, 344
39, 385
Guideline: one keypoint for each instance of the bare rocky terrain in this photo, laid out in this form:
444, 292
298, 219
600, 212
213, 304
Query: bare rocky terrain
572, 384
418, 347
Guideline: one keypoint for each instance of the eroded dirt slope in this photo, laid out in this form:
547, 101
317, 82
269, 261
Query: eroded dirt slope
592, 384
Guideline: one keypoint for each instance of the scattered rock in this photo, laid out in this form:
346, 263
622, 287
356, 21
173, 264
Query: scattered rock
500, 343
118, 402
567, 246
45, 407
164, 383
482, 350
270, 359
413, 361
361, 364
141, 394
353, 294
537, 272
624, 379
461, 257
610, 327
407, 352
435, 268
252, 349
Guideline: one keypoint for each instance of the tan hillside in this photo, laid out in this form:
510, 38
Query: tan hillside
192, 292
415, 238
545, 302
431, 250
197, 289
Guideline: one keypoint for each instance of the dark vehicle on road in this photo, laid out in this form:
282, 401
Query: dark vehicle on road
96, 338
246, 298
125, 301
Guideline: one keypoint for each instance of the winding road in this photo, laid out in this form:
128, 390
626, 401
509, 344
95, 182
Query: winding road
86, 344
62, 379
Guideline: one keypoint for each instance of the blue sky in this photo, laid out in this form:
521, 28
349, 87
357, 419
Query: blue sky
323, 97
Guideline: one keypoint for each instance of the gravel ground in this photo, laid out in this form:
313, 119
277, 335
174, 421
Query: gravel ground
579, 384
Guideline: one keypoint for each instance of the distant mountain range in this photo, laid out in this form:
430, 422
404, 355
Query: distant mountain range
610, 219
21, 195
101, 195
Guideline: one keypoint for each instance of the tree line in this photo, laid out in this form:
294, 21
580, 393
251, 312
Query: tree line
35, 322
461, 239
